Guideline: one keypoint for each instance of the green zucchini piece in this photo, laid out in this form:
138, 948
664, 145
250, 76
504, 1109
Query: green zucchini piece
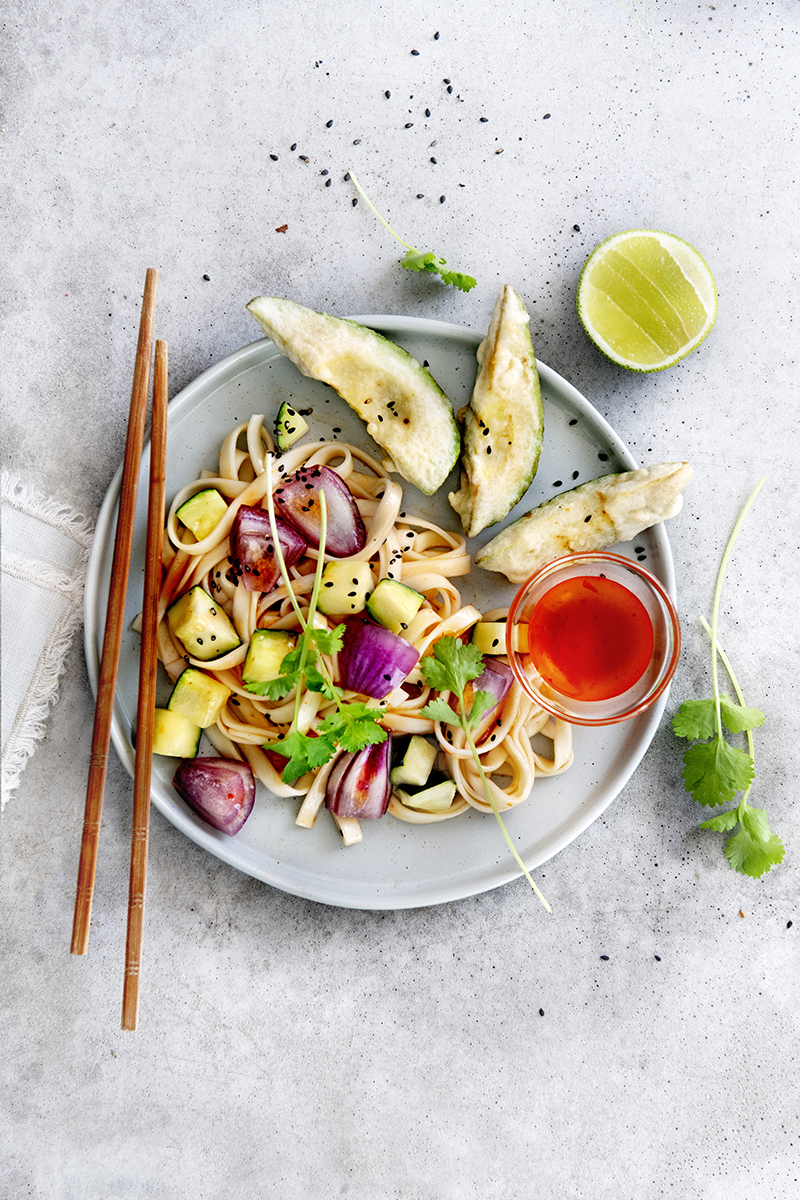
266, 652
199, 697
344, 587
433, 799
204, 628
174, 735
393, 604
490, 637
504, 423
202, 512
406, 411
417, 762
289, 426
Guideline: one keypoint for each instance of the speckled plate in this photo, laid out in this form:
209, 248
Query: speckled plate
396, 865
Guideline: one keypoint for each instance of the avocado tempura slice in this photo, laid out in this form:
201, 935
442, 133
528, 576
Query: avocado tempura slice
593, 516
406, 411
503, 425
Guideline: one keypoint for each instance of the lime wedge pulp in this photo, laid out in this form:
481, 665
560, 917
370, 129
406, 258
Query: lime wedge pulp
646, 299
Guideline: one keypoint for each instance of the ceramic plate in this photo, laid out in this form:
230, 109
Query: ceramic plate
397, 865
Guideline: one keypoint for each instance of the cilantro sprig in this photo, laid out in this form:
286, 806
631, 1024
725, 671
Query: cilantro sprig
714, 769
420, 260
351, 726
450, 668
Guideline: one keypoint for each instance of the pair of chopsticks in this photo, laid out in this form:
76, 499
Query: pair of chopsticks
148, 660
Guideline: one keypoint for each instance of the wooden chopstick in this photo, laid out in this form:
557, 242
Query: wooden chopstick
148, 664
112, 636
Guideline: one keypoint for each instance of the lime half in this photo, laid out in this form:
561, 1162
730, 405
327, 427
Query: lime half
646, 299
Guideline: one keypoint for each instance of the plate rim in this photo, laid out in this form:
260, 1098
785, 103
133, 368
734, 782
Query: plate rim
225, 850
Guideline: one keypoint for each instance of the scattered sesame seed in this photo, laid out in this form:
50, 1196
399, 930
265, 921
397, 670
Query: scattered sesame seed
441, 199
354, 201
436, 36
604, 957
415, 52
325, 172
577, 228
328, 124
293, 146
274, 157
388, 95
408, 125
450, 90
207, 278
484, 120
420, 195
328, 182
427, 112
546, 117
433, 160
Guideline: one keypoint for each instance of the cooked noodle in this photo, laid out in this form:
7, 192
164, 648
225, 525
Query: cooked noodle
399, 546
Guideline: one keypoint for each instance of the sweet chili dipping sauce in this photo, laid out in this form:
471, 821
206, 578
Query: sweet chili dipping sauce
590, 638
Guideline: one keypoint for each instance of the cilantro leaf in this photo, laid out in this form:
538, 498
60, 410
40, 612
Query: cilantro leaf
305, 753
481, 703
753, 853
714, 771
420, 260
722, 821
440, 710
737, 718
355, 726
696, 719
451, 666
328, 641
276, 689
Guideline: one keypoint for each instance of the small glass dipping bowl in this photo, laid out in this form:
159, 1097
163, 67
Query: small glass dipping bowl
666, 639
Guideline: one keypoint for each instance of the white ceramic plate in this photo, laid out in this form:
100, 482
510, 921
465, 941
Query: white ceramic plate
397, 865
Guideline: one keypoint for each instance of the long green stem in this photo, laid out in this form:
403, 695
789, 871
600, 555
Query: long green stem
739, 697
277, 543
718, 593
495, 810
386, 224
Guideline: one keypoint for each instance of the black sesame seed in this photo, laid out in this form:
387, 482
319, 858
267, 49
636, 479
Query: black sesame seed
199, 641
420, 195
355, 201
604, 957
356, 141
304, 158
213, 637
602, 457
415, 52
575, 474
328, 583
639, 549
450, 90
574, 421
207, 278
546, 117
274, 157
658, 958
328, 124
388, 95
488, 449
436, 36
347, 177
789, 924
433, 160
586, 520
495, 642
484, 120
445, 81
325, 172
541, 1012
427, 112
293, 146
408, 125
577, 228
441, 199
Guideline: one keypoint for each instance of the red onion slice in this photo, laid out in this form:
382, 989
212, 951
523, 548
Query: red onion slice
496, 678
373, 660
359, 785
220, 790
297, 500
252, 550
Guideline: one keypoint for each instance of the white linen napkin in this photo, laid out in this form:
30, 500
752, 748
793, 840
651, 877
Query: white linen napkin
44, 555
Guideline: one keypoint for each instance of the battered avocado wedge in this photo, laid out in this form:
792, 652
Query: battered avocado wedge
594, 516
504, 422
406, 411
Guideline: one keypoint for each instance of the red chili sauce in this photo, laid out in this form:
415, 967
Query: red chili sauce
590, 638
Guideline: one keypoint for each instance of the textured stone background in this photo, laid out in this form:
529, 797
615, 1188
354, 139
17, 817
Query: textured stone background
291, 1050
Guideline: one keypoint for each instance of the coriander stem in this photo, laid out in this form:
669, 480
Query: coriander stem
369, 203
495, 810
739, 697
718, 593
277, 543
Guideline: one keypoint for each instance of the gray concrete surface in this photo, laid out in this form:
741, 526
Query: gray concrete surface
294, 1051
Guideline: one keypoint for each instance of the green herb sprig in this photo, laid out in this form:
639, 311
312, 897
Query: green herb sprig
353, 725
450, 668
420, 260
714, 770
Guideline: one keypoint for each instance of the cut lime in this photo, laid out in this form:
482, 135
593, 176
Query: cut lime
646, 299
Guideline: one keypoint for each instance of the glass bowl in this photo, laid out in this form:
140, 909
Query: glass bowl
594, 682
